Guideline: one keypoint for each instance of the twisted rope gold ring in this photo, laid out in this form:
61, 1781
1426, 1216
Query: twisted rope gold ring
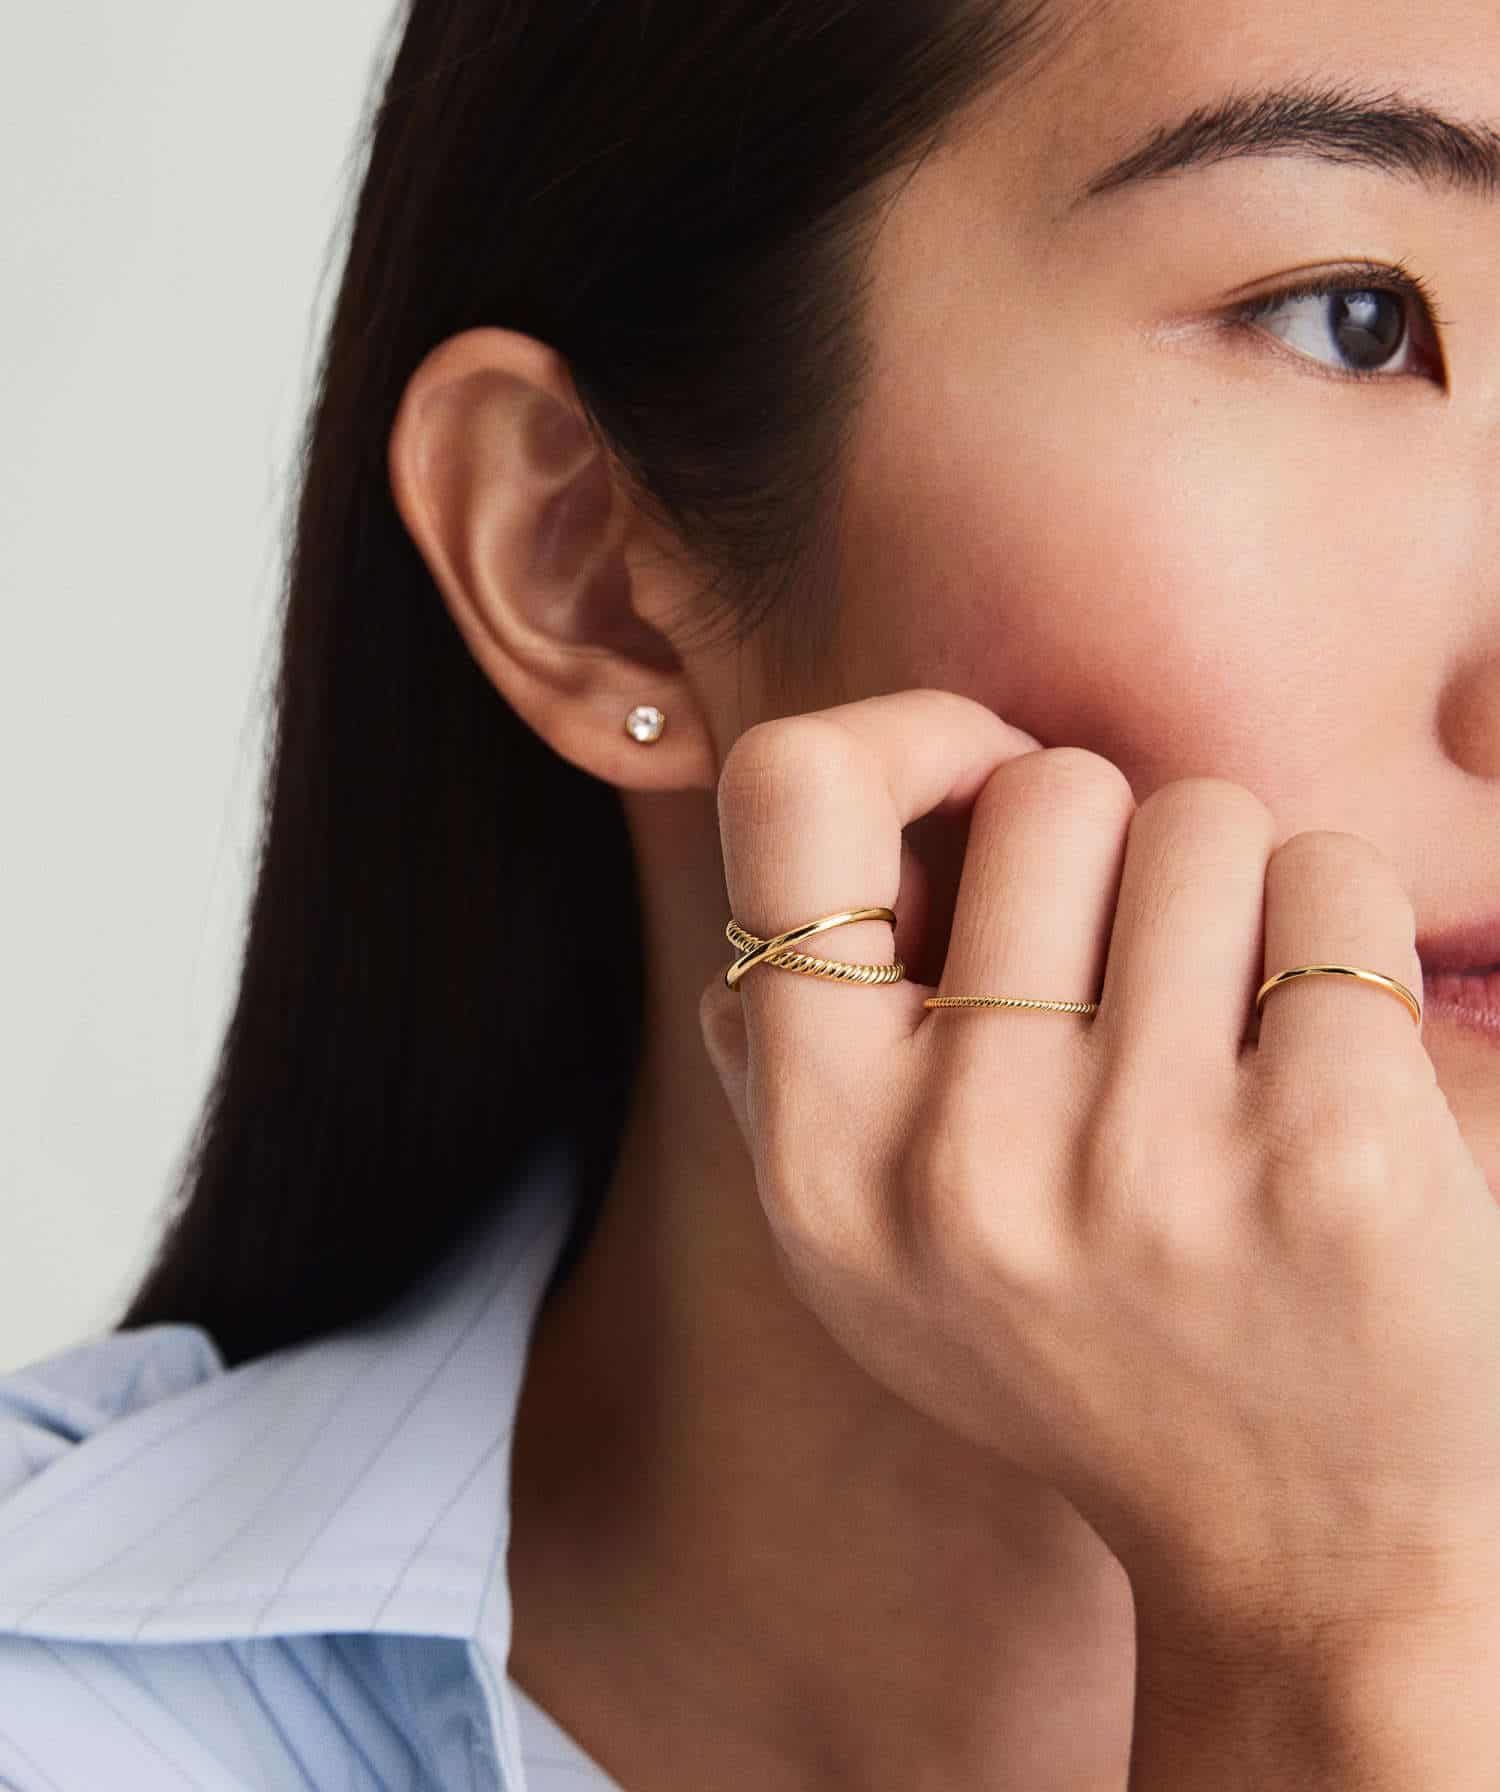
757, 951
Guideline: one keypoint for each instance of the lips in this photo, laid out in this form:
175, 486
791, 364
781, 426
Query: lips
1471, 947
1471, 998
1461, 976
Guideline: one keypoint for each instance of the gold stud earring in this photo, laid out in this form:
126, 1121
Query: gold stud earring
645, 724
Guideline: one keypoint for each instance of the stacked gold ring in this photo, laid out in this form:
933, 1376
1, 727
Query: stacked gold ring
778, 952
755, 951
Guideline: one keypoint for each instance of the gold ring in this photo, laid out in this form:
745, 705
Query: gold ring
774, 952
1399, 990
1309, 970
1010, 1002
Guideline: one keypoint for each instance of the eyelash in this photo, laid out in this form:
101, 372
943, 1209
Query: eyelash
1366, 276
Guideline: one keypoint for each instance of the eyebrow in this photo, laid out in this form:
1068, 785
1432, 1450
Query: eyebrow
1389, 132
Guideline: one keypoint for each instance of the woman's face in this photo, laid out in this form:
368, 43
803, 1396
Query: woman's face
1085, 496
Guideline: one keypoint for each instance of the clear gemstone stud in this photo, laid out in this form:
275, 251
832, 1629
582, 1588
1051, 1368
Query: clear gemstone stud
645, 724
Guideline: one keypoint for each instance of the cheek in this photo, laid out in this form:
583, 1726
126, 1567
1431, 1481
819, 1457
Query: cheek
1136, 584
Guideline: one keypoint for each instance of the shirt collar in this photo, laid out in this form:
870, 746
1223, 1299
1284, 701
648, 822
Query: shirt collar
359, 1481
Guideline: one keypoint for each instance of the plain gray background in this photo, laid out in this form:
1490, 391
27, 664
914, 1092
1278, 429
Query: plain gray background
173, 178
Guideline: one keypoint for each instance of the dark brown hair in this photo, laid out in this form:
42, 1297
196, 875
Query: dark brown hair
679, 196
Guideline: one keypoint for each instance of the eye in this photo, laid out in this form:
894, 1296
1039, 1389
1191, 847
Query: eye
1364, 330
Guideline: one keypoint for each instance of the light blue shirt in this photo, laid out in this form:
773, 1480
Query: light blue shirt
290, 1574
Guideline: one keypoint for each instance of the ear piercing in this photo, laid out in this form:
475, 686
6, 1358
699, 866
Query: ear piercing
645, 724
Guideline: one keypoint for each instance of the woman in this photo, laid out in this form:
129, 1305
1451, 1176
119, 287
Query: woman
1022, 475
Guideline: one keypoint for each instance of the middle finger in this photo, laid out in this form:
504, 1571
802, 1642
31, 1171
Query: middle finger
1035, 901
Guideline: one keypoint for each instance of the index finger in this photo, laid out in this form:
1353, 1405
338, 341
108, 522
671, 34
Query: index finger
811, 813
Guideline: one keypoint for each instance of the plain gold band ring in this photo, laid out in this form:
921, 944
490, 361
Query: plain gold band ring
754, 951
1399, 990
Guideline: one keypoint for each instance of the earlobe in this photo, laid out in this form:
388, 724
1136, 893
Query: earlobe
512, 502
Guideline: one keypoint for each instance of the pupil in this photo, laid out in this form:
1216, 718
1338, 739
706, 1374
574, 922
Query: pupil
1369, 326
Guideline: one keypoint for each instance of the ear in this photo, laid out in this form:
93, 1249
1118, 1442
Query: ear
513, 504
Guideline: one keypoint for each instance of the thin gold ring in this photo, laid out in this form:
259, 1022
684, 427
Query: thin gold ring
1399, 990
756, 951
1010, 1002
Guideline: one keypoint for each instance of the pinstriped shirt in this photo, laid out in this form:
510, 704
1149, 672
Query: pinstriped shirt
289, 1576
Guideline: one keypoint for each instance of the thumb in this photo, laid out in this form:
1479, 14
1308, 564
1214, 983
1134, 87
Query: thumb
721, 1016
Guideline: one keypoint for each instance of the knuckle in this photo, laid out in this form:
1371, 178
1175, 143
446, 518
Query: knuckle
1331, 850
1336, 1144
1330, 862
1067, 779
1143, 1184
969, 1218
965, 710
1197, 799
790, 759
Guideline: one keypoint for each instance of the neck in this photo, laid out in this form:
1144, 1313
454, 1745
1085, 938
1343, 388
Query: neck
736, 1553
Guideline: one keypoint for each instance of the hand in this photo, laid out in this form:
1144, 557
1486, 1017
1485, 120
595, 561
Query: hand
1238, 1300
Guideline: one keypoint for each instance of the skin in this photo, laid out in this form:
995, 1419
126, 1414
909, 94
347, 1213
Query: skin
1078, 498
